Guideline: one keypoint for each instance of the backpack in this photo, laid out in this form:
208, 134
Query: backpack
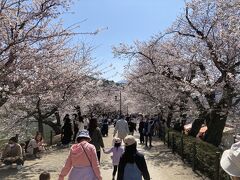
132, 172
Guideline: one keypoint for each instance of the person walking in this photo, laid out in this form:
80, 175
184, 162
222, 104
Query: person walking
117, 152
121, 128
230, 161
66, 117
12, 153
82, 160
67, 132
96, 136
148, 131
132, 165
131, 126
140, 129
85, 122
75, 126
78, 125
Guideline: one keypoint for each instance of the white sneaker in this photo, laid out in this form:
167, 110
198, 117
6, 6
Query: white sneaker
19, 167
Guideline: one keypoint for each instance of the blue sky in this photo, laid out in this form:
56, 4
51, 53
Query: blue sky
125, 20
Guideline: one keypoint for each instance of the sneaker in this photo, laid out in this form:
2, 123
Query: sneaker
19, 167
7, 167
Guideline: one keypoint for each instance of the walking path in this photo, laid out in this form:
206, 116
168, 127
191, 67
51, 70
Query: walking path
162, 164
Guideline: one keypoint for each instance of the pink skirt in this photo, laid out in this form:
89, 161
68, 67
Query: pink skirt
82, 173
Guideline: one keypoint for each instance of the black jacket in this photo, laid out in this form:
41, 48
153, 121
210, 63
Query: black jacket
146, 124
131, 126
141, 126
140, 162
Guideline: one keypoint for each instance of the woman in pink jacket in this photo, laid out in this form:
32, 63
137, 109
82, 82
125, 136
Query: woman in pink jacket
82, 160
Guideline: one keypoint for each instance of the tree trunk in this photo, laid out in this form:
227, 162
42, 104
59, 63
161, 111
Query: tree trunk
215, 128
170, 115
54, 126
197, 124
40, 124
58, 118
218, 117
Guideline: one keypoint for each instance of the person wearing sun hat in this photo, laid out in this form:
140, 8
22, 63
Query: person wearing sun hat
132, 165
230, 161
82, 160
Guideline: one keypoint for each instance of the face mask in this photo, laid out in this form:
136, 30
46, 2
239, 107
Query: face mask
11, 145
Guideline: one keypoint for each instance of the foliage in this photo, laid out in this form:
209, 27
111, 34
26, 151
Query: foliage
205, 159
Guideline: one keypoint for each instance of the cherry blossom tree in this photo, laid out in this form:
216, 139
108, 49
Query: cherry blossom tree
28, 28
40, 69
197, 59
103, 98
210, 31
50, 86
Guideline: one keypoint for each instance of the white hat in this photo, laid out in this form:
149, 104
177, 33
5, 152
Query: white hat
230, 162
117, 140
129, 140
84, 133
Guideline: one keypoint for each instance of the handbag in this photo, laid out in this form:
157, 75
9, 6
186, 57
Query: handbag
88, 159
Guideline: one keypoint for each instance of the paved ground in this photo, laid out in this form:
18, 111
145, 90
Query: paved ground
162, 164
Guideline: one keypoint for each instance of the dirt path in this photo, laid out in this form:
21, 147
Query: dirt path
162, 164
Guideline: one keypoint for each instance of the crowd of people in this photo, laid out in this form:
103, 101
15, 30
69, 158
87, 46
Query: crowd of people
86, 139
128, 164
83, 161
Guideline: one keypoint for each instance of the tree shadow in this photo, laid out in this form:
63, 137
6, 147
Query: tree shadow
25, 173
161, 156
106, 165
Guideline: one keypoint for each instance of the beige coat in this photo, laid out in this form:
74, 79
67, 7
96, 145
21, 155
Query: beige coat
12, 152
122, 128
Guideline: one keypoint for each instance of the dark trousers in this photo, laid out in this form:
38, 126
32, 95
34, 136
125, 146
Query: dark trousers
99, 155
36, 150
74, 136
148, 137
17, 161
115, 168
141, 138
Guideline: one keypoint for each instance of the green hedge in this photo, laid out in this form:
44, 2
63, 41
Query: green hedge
205, 159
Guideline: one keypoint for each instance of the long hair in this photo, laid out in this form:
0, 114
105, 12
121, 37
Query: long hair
117, 145
130, 153
38, 133
80, 119
92, 126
